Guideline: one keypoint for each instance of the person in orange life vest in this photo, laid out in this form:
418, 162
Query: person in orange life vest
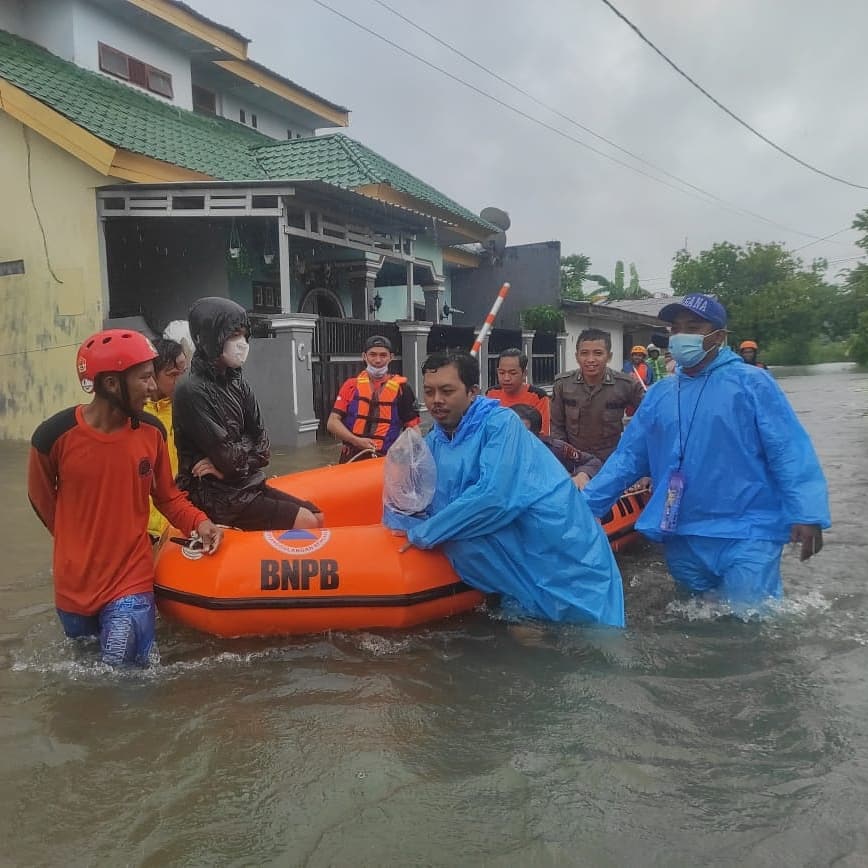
638, 367
372, 408
748, 351
511, 388
170, 364
90, 473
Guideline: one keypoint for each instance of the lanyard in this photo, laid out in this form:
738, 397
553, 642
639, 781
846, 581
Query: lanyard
682, 441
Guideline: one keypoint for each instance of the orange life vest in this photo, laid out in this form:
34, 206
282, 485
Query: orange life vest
375, 413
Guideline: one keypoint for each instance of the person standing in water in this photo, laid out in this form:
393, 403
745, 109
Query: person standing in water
169, 365
90, 473
734, 473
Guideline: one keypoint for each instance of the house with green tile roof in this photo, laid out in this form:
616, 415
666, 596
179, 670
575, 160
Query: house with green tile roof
138, 143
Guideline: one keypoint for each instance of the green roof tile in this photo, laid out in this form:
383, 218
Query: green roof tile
344, 162
131, 119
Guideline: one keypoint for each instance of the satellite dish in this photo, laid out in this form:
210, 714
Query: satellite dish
497, 217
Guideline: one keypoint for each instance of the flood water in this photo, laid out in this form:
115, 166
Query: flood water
690, 738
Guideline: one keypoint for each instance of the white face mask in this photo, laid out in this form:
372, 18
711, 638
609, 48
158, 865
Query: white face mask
376, 373
235, 352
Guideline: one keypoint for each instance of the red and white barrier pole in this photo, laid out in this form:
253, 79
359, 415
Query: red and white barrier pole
489, 320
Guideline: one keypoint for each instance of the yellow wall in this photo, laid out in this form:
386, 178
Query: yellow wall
43, 321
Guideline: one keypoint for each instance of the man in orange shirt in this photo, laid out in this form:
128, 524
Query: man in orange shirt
91, 471
511, 388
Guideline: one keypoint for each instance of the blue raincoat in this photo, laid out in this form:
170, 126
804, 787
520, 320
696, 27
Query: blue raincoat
749, 467
511, 522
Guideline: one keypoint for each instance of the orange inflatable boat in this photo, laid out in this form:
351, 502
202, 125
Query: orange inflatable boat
348, 576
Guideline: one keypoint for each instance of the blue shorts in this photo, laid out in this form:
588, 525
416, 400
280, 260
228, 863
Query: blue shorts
125, 627
740, 571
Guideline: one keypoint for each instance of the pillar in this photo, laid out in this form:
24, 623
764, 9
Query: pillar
434, 294
363, 278
414, 351
527, 349
284, 262
280, 371
483, 363
561, 355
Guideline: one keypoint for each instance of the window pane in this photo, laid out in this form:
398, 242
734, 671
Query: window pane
138, 72
159, 82
253, 121
204, 100
113, 62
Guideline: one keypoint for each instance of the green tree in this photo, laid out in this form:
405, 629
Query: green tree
768, 294
619, 279
543, 318
574, 271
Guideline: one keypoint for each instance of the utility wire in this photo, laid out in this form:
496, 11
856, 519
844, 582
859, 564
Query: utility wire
553, 109
723, 108
725, 205
826, 238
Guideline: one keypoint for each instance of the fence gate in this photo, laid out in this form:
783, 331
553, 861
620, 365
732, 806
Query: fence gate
337, 355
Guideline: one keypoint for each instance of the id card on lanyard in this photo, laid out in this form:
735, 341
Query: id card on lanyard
677, 483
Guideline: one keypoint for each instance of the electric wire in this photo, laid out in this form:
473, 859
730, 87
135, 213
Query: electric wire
726, 110
721, 203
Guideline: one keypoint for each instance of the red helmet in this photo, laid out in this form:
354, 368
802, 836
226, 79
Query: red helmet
748, 345
111, 351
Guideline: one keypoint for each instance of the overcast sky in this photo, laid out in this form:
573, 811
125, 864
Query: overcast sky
794, 69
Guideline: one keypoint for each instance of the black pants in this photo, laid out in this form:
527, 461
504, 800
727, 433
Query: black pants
271, 510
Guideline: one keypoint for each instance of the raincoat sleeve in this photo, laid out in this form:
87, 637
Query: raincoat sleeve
169, 500
260, 448
204, 427
494, 500
791, 457
622, 468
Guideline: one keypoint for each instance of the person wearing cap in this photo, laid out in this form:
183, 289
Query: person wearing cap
91, 470
589, 404
638, 367
748, 351
511, 388
734, 473
656, 362
372, 408
223, 447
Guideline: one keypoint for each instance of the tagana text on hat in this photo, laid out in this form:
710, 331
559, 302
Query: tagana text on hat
705, 306
378, 341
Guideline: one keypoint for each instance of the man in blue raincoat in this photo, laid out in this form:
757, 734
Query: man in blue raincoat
734, 473
505, 512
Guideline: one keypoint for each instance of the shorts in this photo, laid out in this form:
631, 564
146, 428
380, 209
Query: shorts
740, 571
125, 627
271, 509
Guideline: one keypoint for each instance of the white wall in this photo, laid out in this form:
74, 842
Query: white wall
268, 123
575, 325
12, 17
49, 23
94, 25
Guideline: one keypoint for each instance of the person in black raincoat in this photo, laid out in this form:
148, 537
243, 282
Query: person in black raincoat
221, 440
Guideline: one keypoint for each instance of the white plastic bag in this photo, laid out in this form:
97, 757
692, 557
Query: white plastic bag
410, 476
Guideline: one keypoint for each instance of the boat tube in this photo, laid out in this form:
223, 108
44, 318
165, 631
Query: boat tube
348, 576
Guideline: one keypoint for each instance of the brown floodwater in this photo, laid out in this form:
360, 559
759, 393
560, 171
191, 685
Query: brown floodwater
690, 738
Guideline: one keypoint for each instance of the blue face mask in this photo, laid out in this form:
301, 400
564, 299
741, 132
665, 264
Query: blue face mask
687, 350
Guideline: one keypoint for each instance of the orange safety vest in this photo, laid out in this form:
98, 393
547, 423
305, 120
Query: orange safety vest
375, 412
